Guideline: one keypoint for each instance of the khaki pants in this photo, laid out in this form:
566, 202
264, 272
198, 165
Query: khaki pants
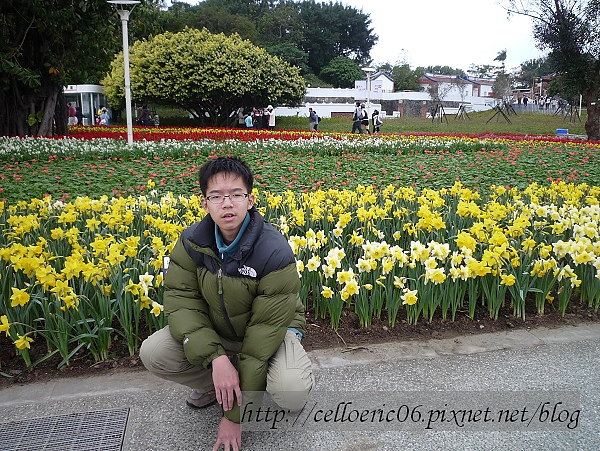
289, 377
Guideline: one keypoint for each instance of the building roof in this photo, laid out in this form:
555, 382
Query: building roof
382, 74
429, 79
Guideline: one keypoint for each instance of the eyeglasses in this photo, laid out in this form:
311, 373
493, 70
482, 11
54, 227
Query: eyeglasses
219, 199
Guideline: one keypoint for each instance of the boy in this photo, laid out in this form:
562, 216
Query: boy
231, 297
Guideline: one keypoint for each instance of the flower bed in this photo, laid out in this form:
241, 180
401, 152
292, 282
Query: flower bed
78, 273
70, 167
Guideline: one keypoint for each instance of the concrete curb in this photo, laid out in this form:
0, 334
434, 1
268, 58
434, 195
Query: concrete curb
461, 345
140, 381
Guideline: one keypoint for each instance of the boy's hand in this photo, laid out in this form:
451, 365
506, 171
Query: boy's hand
227, 382
229, 435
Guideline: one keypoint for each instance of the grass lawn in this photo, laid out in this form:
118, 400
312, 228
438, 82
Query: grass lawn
529, 124
522, 123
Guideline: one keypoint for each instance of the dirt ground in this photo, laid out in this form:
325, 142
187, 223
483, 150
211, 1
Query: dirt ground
319, 335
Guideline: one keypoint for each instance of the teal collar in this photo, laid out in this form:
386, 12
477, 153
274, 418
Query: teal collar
226, 251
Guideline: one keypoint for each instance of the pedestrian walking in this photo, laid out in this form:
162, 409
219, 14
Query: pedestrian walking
357, 119
312, 120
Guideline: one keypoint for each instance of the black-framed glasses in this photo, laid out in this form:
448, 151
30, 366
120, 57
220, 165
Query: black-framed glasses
219, 199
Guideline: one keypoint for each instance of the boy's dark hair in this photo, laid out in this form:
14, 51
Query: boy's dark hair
230, 165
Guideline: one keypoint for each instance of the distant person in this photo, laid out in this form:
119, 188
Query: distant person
376, 120
270, 112
98, 114
312, 120
364, 116
104, 116
318, 120
265, 118
525, 101
357, 119
138, 115
248, 121
256, 116
156, 120
241, 117
145, 117
72, 114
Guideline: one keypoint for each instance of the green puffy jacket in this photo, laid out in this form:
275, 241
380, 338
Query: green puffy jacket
251, 297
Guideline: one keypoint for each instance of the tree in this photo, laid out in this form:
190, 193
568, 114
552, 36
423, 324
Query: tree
46, 45
438, 91
444, 70
502, 89
558, 86
405, 79
288, 51
482, 70
321, 31
209, 75
331, 30
341, 72
252, 9
279, 25
501, 57
212, 17
570, 29
532, 69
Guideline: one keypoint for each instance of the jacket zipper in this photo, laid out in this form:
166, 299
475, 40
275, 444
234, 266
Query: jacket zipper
222, 298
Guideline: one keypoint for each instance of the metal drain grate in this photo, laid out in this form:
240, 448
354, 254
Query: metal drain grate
100, 430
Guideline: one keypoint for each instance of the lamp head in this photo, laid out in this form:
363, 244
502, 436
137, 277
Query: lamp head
122, 4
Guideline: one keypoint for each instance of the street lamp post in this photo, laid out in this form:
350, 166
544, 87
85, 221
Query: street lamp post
124, 15
369, 71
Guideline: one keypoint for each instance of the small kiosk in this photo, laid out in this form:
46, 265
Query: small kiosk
87, 100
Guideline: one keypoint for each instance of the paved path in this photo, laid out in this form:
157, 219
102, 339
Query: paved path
542, 360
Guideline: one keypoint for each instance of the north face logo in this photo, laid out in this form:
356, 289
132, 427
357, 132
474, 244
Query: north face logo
247, 271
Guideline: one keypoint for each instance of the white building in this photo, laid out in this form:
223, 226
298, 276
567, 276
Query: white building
475, 94
457, 87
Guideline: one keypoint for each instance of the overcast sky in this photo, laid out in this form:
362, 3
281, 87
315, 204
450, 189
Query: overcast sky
445, 32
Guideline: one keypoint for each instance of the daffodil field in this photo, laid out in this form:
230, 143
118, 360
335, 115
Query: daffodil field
393, 226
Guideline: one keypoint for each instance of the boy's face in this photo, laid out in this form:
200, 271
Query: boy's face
229, 215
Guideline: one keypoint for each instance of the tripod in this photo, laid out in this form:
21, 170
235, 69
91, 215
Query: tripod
461, 113
573, 114
500, 110
562, 108
439, 112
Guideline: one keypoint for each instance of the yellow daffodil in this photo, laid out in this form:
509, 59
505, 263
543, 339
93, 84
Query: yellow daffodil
19, 297
351, 287
22, 342
299, 267
4, 324
363, 265
313, 263
435, 275
409, 297
345, 276
327, 292
156, 308
528, 244
508, 279
399, 282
